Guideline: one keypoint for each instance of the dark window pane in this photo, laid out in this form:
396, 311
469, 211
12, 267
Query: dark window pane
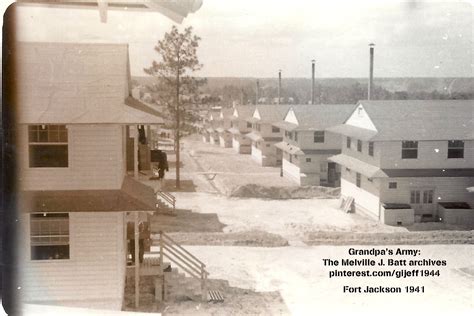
409, 153
371, 148
359, 145
43, 135
392, 185
48, 156
348, 142
49, 252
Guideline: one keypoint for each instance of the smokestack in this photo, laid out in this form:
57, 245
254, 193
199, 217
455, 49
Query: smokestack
371, 71
257, 91
312, 80
279, 86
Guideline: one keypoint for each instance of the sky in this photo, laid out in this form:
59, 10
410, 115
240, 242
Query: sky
256, 38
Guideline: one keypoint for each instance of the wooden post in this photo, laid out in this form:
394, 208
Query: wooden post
203, 284
137, 261
163, 287
135, 154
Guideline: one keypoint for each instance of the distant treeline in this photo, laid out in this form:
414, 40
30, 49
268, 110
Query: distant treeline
333, 90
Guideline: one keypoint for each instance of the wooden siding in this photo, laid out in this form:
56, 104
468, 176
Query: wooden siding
445, 189
364, 154
360, 118
431, 154
96, 161
366, 197
95, 271
306, 141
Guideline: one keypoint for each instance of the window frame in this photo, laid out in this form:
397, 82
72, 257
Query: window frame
455, 146
408, 148
359, 145
370, 149
45, 221
358, 180
392, 185
348, 142
318, 137
41, 135
275, 129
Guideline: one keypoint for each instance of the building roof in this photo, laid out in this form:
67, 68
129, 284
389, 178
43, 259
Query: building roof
321, 116
71, 83
174, 10
285, 125
353, 131
270, 113
289, 148
421, 119
233, 130
132, 196
227, 113
244, 112
359, 166
255, 136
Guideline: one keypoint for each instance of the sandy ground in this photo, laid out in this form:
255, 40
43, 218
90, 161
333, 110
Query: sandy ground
303, 282
295, 272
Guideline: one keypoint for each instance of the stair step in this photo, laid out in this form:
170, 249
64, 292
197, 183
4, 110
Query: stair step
215, 296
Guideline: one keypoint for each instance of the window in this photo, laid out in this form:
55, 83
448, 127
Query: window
392, 185
455, 149
348, 142
318, 137
48, 146
49, 236
308, 159
358, 180
359, 145
428, 197
323, 167
409, 150
415, 197
296, 136
275, 129
249, 125
371, 149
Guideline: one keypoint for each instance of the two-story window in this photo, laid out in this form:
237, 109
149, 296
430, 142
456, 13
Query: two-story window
49, 236
275, 129
371, 149
455, 149
409, 150
359, 145
348, 142
48, 146
318, 137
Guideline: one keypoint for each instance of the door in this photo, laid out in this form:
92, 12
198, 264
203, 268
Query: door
421, 200
332, 174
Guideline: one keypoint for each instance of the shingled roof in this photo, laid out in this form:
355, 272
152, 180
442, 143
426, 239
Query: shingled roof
321, 116
244, 112
271, 113
71, 83
421, 119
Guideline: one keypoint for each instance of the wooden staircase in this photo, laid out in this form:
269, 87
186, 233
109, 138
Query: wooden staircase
165, 201
173, 284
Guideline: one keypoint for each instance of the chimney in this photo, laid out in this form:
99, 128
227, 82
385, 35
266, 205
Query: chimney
257, 91
371, 71
279, 86
312, 80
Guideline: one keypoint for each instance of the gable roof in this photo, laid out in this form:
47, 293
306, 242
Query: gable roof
321, 116
421, 119
70, 83
244, 112
271, 113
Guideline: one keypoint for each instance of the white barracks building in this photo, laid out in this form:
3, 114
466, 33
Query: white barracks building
406, 161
